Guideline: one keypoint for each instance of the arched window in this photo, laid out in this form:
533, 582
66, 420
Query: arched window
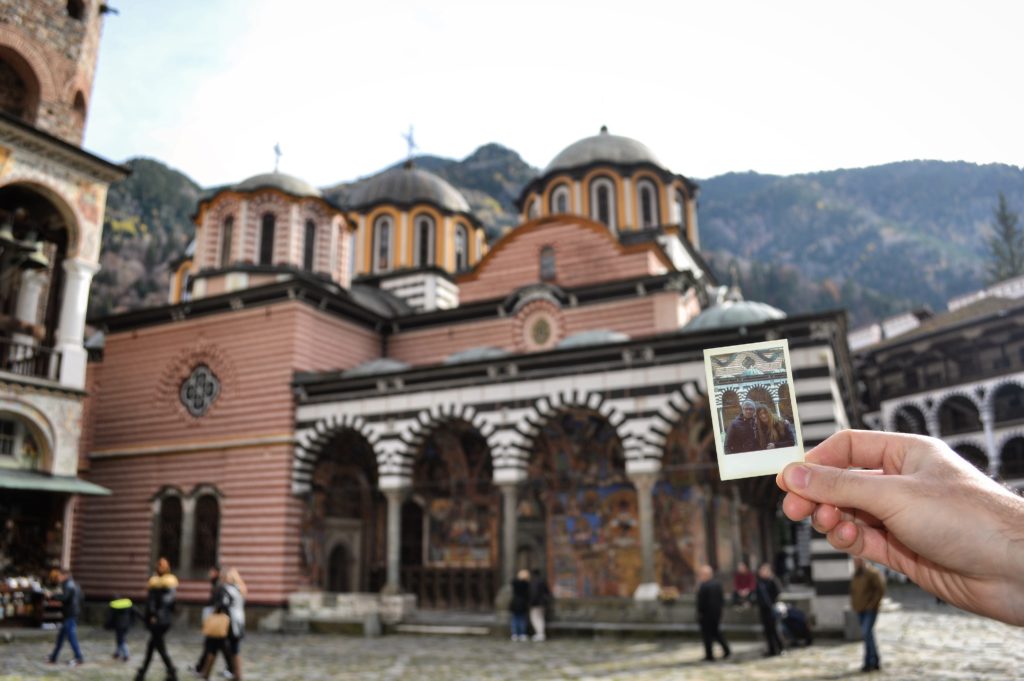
909, 419
382, 244
547, 264
309, 245
679, 216
206, 532
267, 239
560, 199
16, 97
76, 9
533, 210
424, 241
226, 235
602, 201
647, 201
461, 248
170, 523
78, 108
957, 415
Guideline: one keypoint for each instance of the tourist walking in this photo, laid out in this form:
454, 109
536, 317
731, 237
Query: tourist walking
519, 606
229, 600
210, 608
161, 598
710, 602
866, 590
70, 597
540, 599
119, 618
766, 592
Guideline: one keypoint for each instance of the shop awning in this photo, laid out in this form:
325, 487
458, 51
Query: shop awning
34, 480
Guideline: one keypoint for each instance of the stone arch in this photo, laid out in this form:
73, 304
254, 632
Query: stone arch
958, 413
909, 418
343, 504
679, 403
578, 486
30, 62
12, 188
38, 424
429, 419
1005, 401
548, 407
312, 443
1011, 456
973, 453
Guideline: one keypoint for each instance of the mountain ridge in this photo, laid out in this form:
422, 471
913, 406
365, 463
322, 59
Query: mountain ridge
803, 242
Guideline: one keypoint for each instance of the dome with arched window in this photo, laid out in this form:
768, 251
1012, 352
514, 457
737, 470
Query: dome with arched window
405, 185
603, 147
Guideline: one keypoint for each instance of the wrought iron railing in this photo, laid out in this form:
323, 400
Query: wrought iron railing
28, 359
451, 588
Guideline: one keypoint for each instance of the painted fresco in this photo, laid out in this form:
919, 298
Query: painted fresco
342, 487
578, 474
725, 551
452, 477
681, 499
750, 535
459, 533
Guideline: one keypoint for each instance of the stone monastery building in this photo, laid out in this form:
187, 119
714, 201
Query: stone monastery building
370, 398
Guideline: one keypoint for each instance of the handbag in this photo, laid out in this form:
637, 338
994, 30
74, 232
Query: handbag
216, 625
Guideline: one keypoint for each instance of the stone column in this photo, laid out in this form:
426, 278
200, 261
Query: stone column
32, 284
988, 420
78, 277
509, 527
644, 483
395, 496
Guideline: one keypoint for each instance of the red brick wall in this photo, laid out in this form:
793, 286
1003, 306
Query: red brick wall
142, 437
585, 253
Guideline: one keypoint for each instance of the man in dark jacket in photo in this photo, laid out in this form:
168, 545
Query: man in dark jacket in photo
710, 601
742, 433
70, 597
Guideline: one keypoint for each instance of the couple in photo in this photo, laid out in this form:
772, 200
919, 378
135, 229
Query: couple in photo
757, 428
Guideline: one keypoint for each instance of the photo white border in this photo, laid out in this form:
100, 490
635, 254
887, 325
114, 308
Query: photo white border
765, 461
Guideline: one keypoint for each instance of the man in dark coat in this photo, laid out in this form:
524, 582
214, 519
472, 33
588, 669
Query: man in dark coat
70, 597
710, 601
742, 433
765, 594
866, 591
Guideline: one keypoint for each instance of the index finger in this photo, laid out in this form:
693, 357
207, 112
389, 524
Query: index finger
862, 449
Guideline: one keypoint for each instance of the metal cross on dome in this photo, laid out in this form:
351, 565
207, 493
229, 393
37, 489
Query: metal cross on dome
410, 141
277, 155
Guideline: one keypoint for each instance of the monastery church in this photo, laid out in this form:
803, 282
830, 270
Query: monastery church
370, 398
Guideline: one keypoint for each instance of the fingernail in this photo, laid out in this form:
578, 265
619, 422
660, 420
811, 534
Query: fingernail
797, 477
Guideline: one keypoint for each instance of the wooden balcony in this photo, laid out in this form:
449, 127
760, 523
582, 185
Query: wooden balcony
28, 359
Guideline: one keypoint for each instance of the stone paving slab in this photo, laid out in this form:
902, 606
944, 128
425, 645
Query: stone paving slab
920, 642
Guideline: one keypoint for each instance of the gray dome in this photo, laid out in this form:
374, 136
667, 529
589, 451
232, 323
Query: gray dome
734, 314
603, 147
407, 184
286, 183
593, 337
475, 355
382, 365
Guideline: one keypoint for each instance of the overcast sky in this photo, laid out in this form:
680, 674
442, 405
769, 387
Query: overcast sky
209, 86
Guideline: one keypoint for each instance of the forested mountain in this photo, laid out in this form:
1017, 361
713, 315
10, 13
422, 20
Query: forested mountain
874, 240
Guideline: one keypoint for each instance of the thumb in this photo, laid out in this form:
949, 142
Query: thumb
840, 487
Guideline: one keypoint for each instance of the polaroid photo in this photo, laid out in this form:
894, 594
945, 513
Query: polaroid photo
757, 429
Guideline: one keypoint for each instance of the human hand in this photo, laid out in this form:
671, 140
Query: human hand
919, 509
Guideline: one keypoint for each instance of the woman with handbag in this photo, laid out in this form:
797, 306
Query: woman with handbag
225, 627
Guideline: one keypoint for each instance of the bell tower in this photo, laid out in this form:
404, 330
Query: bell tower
48, 51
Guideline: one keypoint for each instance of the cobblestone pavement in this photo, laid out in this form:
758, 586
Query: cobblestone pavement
923, 640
